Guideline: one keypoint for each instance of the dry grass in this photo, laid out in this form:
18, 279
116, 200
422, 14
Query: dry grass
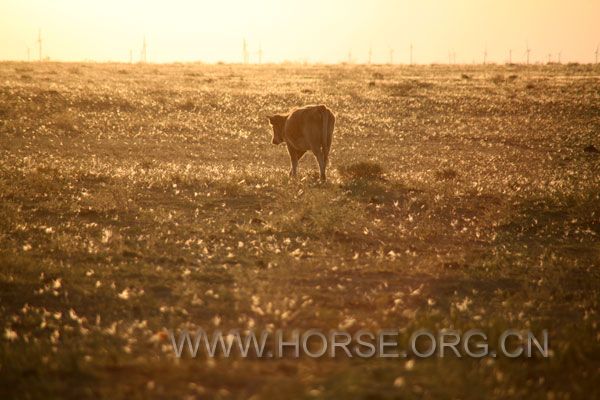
135, 199
361, 170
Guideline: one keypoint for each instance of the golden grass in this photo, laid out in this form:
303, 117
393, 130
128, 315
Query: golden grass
140, 198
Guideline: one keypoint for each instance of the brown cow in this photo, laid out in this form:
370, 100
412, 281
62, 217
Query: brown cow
303, 129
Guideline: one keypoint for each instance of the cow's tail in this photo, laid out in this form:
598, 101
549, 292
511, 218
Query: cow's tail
325, 117
328, 121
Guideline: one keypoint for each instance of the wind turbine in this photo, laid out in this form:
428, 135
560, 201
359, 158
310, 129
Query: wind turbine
510, 56
245, 52
596, 53
411, 54
391, 55
527, 51
144, 52
370, 54
39, 43
260, 53
559, 56
485, 55
28, 54
451, 57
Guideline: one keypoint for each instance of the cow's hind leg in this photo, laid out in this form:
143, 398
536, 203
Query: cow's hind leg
322, 164
295, 156
329, 133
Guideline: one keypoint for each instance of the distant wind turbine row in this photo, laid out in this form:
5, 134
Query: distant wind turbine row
259, 53
246, 53
485, 54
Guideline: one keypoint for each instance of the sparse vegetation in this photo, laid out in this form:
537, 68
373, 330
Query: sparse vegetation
446, 174
361, 170
64, 122
135, 203
498, 79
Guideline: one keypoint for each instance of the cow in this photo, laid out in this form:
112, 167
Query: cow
302, 129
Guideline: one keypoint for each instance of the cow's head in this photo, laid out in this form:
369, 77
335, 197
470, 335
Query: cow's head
278, 123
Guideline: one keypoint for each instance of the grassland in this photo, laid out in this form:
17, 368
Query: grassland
140, 198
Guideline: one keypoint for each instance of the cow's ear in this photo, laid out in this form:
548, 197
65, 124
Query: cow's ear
271, 118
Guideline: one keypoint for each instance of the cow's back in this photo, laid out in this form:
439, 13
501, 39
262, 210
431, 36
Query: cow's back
304, 126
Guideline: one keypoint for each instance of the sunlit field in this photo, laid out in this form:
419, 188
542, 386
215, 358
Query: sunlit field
137, 199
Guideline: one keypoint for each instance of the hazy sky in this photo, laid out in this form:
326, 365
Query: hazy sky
311, 30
